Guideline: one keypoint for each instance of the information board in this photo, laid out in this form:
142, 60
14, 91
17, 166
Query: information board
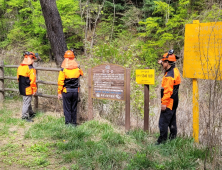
108, 82
203, 50
145, 76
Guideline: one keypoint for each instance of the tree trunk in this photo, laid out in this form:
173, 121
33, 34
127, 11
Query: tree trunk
86, 28
92, 41
54, 29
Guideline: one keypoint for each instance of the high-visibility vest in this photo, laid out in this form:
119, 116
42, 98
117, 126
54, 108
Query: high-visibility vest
170, 87
26, 76
68, 78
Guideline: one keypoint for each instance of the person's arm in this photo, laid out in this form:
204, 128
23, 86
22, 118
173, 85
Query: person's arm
32, 78
168, 91
159, 61
18, 74
81, 72
61, 79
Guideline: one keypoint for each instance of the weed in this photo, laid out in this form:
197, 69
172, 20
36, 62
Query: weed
112, 159
38, 148
113, 138
138, 134
74, 167
6, 117
94, 145
185, 153
9, 147
5, 153
139, 161
4, 130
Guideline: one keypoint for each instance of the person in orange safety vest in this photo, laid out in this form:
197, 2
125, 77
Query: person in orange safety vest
26, 76
169, 97
68, 87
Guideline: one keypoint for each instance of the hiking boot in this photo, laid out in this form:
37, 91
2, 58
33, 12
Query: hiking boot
27, 119
157, 143
32, 115
74, 124
71, 124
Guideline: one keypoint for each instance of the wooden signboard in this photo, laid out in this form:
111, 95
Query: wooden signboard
108, 82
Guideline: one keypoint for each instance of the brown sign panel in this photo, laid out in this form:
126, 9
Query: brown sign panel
108, 82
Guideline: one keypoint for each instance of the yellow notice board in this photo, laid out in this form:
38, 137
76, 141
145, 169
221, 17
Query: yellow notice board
146, 76
203, 50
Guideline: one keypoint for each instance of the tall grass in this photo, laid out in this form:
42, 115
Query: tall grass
97, 145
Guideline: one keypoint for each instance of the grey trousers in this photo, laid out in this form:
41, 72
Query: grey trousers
27, 107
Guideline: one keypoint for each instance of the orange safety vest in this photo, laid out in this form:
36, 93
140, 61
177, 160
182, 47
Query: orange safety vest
26, 76
68, 78
170, 87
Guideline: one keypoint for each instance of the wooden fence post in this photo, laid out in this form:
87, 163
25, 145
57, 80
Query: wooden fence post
78, 116
127, 102
90, 107
2, 92
146, 107
36, 99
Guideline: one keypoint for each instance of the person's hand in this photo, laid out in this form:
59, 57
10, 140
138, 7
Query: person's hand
34, 94
163, 107
159, 61
59, 96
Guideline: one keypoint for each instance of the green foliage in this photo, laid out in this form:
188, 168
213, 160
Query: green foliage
71, 21
185, 154
138, 134
6, 117
30, 25
149, 7
118, 6
39, 148
26, 25
139, 161
162, 7
113, 138
198, 5
42, 161
9, 71
92, 145
162, 30
138, 100
213, 15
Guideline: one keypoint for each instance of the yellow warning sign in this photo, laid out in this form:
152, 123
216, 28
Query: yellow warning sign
203, 50
145, 76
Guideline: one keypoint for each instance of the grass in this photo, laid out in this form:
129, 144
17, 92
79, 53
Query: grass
49, 144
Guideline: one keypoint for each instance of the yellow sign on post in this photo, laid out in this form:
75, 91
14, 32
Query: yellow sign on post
203, 50
202, 59
145, 76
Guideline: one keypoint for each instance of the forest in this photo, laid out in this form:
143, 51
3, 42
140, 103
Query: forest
134, 34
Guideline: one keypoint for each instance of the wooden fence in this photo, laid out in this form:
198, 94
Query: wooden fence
3, 89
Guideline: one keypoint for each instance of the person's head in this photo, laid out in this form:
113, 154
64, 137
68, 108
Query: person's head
69, 60
69, 54
30, 58
168, 59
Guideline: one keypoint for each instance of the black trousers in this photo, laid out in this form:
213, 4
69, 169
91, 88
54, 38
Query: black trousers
70, 100
167, 119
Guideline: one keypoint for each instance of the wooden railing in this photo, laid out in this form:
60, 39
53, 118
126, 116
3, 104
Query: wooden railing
3, 89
